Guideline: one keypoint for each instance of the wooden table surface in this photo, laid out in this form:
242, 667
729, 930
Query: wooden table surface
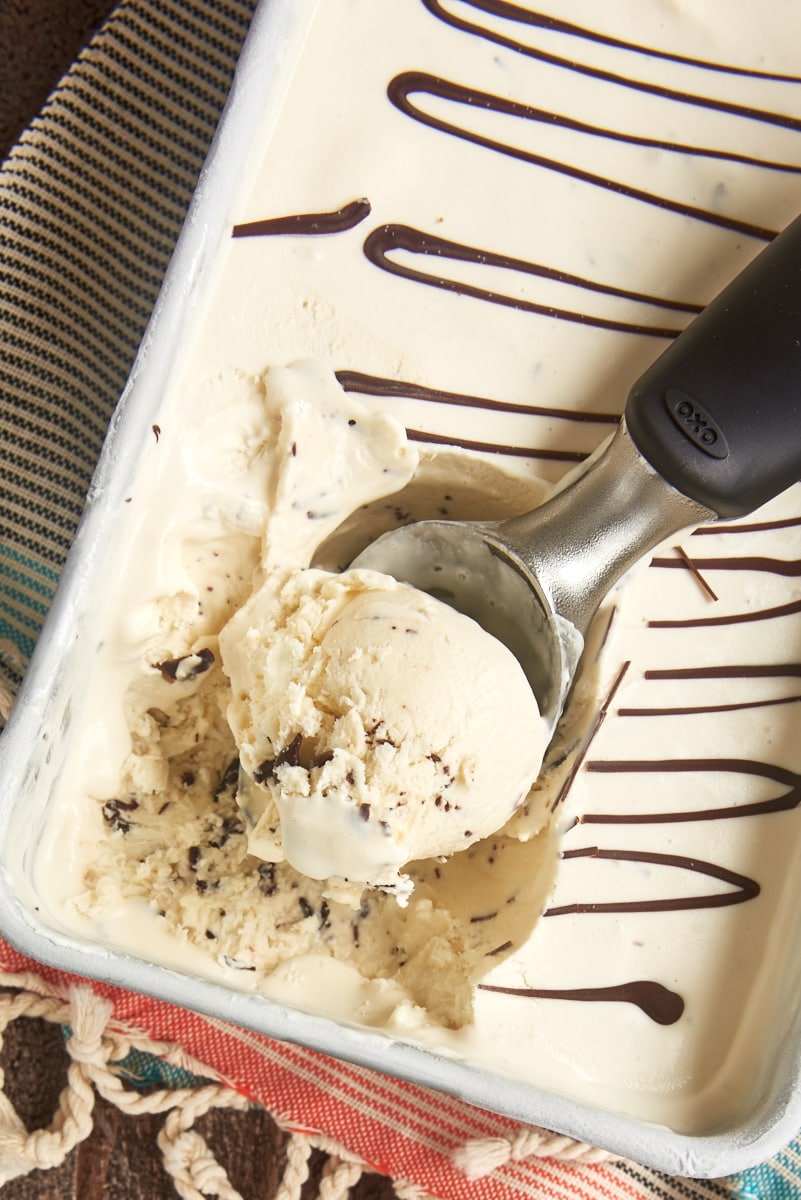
120, 1160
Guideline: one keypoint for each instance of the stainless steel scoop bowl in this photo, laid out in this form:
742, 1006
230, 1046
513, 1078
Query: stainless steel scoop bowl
712, 429
535, 581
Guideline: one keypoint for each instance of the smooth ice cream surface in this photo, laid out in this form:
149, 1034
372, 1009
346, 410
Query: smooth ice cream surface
377, 725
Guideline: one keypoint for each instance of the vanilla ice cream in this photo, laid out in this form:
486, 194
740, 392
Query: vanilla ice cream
376, 724
480, 224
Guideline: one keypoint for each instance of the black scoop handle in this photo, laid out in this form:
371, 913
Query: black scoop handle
718, 414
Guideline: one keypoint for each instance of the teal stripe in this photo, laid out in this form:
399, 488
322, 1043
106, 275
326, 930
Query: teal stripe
21, 613
13, 634
778, 1179
146, 1070
19, 566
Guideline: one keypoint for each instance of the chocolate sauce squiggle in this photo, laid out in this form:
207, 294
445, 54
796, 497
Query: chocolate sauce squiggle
522, 15
403, 86
790, 568
697, 710
389, 239
307, 224
441, 439
749, 527
731, 671
656, 1001
514, 12
378, 385
742, 618
728, 671
784, 802
743, 888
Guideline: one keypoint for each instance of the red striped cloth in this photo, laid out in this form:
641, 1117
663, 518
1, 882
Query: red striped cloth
407, 1132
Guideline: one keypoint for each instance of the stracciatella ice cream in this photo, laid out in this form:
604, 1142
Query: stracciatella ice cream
484, 222
378, 724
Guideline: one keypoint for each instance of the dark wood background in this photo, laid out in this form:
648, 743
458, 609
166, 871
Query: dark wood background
120, 1160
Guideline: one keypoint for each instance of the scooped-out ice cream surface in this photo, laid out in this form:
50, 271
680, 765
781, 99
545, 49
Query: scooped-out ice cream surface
377, 725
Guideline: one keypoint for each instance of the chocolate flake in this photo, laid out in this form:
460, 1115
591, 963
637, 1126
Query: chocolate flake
704, 585
112, 813
205, 885
499, 949
231, 827
229, 779
187, 667
235, 963
267, 881
290, 754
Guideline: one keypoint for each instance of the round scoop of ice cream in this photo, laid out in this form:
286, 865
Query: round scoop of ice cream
377, 726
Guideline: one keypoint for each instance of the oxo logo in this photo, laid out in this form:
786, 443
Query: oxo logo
696, 424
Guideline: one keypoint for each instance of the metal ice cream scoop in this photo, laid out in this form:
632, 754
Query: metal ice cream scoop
712, 429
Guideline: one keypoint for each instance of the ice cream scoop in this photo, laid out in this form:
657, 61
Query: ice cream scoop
710, 430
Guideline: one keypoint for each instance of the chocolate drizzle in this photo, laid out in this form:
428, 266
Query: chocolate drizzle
307, 224
416, 82
748, 527
376, 385
742, 888
789, 567
525, 16
785, 801
738, 618
695, 710
656, 1001
729, 671
389, 240
441, 439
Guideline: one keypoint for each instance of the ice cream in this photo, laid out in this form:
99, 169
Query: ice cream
531, 209
379, 725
